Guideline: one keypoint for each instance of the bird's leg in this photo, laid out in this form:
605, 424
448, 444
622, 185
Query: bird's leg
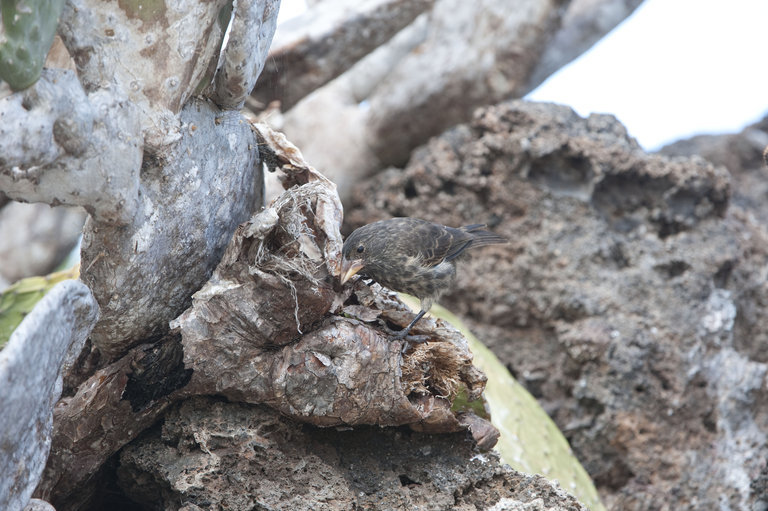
402, 333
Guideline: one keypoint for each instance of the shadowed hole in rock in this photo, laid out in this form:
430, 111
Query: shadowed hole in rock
617, 196
410, 189
684, 202
618, 255
591, 406
615, 478
108, 494
672, 269
407, 481
666, 228
570, 176
723, 274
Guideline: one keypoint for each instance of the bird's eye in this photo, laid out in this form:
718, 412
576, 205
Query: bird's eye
360, 249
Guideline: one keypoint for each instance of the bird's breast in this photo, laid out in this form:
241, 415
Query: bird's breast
412, 277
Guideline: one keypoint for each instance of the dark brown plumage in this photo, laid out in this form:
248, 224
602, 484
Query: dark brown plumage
411, 255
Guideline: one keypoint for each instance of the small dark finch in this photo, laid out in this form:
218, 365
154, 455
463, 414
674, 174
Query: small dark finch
412, 256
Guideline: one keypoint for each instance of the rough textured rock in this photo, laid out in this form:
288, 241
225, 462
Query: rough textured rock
39, 352
742, 154
629, 301
218, 455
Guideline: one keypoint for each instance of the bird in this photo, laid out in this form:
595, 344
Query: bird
412, 256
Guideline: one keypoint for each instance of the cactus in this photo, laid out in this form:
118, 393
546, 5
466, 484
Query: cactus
27, 28
18, 300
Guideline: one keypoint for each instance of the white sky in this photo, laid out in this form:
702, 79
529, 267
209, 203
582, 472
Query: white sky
674, 69
289, 9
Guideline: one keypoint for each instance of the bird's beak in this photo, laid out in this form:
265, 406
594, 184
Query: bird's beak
349, 269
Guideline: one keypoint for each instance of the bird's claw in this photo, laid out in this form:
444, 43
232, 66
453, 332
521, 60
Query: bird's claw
399, 336
409, 340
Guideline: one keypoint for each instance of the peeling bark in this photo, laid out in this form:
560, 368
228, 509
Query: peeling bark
243, 340
107, 411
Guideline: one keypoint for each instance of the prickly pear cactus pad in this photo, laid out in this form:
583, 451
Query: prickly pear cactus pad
27, 28
18, 300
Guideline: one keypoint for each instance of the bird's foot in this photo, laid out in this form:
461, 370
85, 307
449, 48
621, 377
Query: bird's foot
410, 340
399, 336
402, 334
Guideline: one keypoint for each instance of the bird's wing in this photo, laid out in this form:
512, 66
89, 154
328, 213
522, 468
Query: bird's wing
440, 243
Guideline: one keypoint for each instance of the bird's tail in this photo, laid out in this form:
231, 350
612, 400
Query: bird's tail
481, 236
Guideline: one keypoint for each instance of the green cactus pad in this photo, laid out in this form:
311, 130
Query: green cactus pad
19, 299
27, 28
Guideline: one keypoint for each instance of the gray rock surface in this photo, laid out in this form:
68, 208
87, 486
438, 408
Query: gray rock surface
742, 154
39, 352
210, 454
630, 301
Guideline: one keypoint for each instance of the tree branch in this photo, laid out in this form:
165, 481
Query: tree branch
243, 58
325, 41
